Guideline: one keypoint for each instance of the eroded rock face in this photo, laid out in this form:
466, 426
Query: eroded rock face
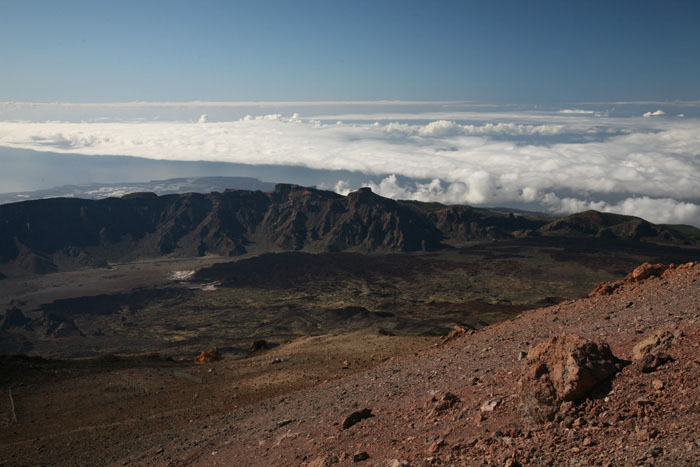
563, 368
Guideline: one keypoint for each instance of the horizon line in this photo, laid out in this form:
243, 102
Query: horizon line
282, 103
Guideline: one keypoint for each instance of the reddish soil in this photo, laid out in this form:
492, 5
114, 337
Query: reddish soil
635, 419
277, 408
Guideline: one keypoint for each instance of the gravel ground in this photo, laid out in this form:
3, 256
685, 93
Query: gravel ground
635, 419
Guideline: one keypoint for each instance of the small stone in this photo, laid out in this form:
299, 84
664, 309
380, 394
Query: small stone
324, 461
659, 341
436, 446
657, 384
521, 356
259, 345
587, 441
566, 422
447, 401
360, 456
356, 417
490, 404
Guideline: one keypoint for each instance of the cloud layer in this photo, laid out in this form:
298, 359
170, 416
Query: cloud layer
562, 161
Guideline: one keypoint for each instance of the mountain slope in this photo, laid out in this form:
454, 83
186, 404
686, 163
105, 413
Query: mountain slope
66, 233
457, 404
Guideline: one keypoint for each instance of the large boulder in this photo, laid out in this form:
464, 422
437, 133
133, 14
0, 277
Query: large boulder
563, 368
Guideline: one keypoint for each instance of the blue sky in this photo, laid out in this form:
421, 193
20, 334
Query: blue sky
559, 106
486, 51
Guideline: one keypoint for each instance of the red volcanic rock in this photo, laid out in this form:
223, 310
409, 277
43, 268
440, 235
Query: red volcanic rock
563, 368
647, 270
603, 288
207, 356
660, 340
456, 332
641, 273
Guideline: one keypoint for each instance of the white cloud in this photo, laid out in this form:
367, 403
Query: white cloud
659, 211
442, 128
342, 187
656, 113
576, 111
656, 210
487, 158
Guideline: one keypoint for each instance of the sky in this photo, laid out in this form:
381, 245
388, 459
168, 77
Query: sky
551, 106
533, 52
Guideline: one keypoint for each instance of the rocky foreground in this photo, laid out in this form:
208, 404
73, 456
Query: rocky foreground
607, 380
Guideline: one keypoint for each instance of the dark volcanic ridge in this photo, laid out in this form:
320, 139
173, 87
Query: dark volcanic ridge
60, 234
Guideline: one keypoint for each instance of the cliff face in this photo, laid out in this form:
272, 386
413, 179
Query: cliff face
46, 235
64, 233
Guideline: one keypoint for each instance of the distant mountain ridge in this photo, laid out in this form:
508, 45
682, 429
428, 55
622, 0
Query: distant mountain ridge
67, 233
160, 187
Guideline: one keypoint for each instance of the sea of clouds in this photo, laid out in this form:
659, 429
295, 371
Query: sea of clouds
560, 160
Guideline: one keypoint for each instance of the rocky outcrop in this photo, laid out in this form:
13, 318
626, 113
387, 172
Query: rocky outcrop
603, 225
48, 235
465, 223
57, 234
640, 273
562, 369
645, 271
